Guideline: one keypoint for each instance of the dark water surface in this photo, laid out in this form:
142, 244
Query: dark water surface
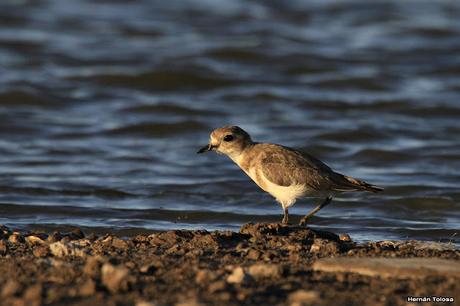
103, 105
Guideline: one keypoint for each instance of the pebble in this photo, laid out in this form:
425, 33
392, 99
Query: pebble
33, 295
119, 243
345, 238
32, 240
92, 266
88, 288
238, 276
148, 269
253, 254
114, 278
3, 247
259, 271
60, 249
16, 238
205, 276
145, 303
303, 298
41, 251
11, 288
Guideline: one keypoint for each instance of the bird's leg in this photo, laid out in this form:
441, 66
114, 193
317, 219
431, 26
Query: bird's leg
304, 220
286, 216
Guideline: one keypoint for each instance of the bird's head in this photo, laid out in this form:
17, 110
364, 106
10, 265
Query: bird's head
229, 140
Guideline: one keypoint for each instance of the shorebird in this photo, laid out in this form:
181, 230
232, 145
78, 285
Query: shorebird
285, 173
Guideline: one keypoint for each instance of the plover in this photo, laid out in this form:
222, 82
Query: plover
283, 172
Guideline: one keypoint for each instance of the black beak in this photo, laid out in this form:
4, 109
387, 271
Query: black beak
206, 148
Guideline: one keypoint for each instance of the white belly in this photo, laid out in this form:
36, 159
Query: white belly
286, 195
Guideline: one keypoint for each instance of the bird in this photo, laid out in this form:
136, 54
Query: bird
285, 173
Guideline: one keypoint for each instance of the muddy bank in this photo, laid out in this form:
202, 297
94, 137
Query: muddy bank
262, 264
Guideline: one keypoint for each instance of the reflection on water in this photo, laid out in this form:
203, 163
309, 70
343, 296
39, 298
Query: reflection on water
103, 105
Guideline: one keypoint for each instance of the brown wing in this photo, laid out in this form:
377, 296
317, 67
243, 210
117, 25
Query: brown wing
285, 166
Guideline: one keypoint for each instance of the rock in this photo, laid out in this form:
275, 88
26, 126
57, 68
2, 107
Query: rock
3, 247
253, 254
324, 246
41, 251
148, 269
145, 303
34, 240
16, 238
303, 298
390, 267
33, 295
119, 243
238, 276
258, 271
88, 288
345, 238
60, 249
205, 276
11, 288
115, 278
216, 286
92, 266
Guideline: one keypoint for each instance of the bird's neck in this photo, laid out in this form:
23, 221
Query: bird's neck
242, 157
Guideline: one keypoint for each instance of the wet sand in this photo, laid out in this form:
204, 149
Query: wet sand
262, 264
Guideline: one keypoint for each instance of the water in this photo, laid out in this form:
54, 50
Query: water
104, 104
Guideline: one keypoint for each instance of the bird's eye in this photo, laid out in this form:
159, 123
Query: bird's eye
228, 138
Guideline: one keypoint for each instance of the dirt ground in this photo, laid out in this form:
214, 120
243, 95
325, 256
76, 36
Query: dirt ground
262, 264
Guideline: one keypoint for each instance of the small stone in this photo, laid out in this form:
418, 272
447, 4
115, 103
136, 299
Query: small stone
217, 286
258, 271
88, 288
345, 238
41, 251
16, 238
3, 247
253, 254
33, 294
92, 266
114, 278
325, 246
205, 276
238, 276
34, 240
60, 249
119, 243
303, 298
145, 303
11, 288
148, 269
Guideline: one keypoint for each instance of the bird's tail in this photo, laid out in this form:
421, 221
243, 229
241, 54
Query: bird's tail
347, 183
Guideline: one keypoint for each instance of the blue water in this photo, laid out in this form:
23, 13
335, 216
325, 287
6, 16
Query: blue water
104, 104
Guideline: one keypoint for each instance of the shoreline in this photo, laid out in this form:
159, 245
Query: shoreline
269, 264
